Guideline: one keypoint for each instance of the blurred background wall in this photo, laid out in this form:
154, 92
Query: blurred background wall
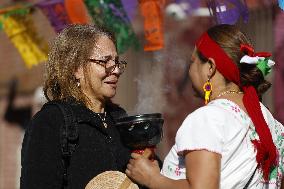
153, 82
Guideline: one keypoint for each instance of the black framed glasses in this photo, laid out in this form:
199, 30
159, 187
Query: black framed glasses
109, 65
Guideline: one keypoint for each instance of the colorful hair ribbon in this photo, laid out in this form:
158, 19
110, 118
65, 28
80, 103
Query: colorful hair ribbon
261, 59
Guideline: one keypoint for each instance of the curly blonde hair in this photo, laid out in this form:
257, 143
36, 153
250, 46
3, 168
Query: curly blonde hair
70, 50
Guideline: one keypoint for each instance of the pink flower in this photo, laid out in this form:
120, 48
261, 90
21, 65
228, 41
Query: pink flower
236, 109
177, 171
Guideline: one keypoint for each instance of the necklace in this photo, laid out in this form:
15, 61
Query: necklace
103, 119
229, 92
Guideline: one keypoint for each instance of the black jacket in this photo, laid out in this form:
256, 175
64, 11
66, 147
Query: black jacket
99, 149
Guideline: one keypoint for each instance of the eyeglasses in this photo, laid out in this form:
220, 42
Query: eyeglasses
109, 66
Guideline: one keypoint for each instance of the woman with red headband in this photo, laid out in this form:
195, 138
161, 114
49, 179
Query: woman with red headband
233, 142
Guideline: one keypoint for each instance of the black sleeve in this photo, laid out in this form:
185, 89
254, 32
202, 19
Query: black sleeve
41, 151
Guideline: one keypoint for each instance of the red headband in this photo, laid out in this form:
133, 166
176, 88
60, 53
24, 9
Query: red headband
266, 150
224, 64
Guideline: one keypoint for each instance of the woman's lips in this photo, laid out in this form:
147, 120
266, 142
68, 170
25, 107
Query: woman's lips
112, 83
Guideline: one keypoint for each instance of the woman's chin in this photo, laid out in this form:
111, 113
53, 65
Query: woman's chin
110, 94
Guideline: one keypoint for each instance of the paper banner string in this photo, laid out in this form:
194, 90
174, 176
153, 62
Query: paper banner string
23, 35
130, 7
77, 12
152, 11
11, 9
228, 11
56, 13
17, 9
111, 14
14, 10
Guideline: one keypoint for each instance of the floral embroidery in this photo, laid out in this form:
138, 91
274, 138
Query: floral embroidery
177, 171
273, 174
236, 109
169, 168
231, 106
277, 173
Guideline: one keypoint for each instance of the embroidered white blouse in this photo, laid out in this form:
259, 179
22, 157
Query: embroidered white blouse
222, 127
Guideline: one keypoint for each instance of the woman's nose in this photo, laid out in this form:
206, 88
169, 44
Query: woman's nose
116, 69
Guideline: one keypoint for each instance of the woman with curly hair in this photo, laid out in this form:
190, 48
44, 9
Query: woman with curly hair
73, 138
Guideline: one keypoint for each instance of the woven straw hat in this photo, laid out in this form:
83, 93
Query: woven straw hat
111, 180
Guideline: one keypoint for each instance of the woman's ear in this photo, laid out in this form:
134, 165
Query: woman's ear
79, 73
212, 67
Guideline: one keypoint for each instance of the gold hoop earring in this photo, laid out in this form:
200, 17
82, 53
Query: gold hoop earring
207, 88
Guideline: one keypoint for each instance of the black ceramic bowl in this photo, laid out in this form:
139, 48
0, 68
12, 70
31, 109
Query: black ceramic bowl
141, 131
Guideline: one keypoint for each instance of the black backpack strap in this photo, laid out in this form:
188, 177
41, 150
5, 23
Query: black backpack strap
250, 179
69, 136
